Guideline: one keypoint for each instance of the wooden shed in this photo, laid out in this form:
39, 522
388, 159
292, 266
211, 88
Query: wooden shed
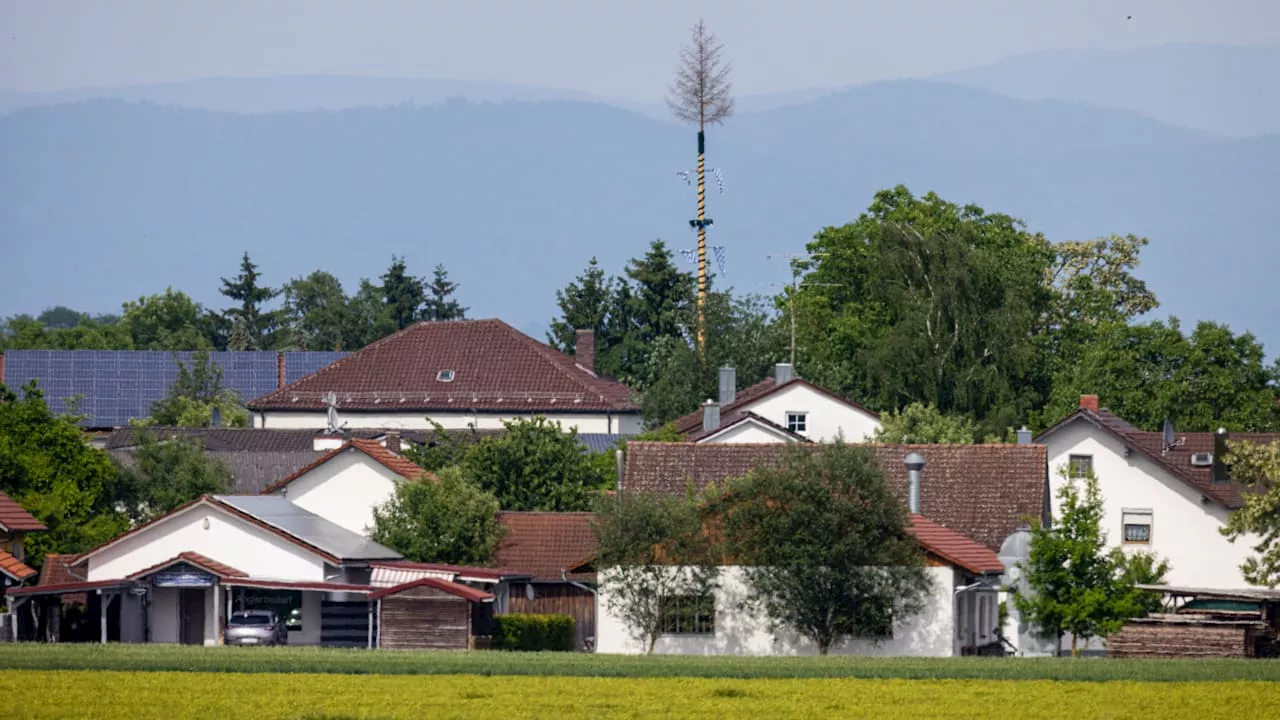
1202, 622
432, 614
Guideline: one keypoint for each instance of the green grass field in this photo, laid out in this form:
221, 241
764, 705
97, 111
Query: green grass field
382, 662
165, 696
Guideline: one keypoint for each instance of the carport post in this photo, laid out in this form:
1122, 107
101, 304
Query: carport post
370, 604
102, 612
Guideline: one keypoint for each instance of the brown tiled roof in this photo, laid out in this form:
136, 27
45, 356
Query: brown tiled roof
544, 543
953, 547
395, 462
57, 570
692, 423
1177, 460
204, 563
14, 568
267, 440
15, 517
496, 368
981, 491
742, 416
466, 593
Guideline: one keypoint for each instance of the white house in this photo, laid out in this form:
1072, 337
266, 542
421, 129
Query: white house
779, 409
460, 374
966, 501
1164, 493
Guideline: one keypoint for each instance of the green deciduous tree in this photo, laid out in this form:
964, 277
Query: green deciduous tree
651, 548
1257, 467
445, 519
925, 424
316, 313
193, 396
1076, 585
824, 545
167, 321
23, 332
440, 303
48, 468
442, 448
248, 324
160, 476
368, 317
535, 465
403, 294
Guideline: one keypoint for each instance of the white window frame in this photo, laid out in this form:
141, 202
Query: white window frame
803, 418
1071, 465
1137, 515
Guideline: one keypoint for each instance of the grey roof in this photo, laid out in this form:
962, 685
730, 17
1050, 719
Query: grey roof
308, 527
600, 442
252, 471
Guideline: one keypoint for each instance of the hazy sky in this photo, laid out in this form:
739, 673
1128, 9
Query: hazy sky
617, 48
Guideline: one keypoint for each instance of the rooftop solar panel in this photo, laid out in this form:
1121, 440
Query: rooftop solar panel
298, 365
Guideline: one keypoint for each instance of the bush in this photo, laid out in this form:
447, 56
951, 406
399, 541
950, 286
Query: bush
531, 633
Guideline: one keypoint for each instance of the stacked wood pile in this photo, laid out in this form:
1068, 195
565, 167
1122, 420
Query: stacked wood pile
1186, 636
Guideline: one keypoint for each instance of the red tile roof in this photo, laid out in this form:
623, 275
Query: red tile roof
544, 543
14, 568
495, 368
692, 423
466, 593
1177, 460
204, 563
56, 569
396, 463
953, 547
984, 492
65, 589
14, 517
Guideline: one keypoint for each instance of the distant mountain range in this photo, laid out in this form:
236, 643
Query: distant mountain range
106, 200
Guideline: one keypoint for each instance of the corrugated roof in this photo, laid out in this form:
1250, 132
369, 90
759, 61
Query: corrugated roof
15, 568
14, 517
395, 572
308, 527
495, 367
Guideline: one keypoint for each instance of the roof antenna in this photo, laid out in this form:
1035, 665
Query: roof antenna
331, 413
1170, 440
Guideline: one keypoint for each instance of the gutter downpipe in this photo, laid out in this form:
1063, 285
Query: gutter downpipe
955, 611
595, 599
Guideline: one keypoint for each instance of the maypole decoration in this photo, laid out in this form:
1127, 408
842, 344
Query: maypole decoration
701, 96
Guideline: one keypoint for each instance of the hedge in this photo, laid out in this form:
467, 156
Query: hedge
529, 632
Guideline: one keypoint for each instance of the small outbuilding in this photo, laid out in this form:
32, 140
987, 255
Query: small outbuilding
432, 614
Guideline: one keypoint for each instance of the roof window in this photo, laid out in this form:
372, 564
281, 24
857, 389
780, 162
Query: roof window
445, 376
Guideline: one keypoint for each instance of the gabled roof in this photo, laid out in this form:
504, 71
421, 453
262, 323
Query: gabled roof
57, 570
741, 417
466, 593
213, 567
495, 368
980, 491
953, 547
1176, 461
544, 543
692, 423
15, 568
15, 518
395, 462
282, 518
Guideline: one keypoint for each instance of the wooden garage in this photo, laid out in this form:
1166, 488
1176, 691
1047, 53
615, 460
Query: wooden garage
1200, 622
433, 614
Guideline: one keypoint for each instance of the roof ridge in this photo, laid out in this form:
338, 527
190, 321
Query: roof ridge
543, 351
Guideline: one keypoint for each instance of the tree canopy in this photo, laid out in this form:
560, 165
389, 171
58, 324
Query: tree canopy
535, 465
445, 518
160, 476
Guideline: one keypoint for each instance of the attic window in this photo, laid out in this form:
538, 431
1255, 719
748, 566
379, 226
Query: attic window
444, 376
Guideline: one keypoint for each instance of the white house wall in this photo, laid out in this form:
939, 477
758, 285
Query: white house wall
227, 539
748, 432
1184, 530
742, 632
344, 490
610, 423
826, 417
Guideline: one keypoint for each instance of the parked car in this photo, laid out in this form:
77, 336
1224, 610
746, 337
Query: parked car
256, 627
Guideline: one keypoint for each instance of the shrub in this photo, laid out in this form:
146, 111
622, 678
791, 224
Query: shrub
531, 633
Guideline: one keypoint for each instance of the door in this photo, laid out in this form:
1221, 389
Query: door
191, 608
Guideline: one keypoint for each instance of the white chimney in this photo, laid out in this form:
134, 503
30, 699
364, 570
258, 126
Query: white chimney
914, 464
1024, 436
710, 416
782, 373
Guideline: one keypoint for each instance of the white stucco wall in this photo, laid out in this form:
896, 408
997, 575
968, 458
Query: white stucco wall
748, 432
624, 423
1184, 530
344, 490
739, 632
227, 539
826, 416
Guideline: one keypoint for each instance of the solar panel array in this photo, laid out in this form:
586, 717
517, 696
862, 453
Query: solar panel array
298, 365
115, 386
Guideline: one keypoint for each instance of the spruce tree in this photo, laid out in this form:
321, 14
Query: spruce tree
440, 304
403, 293
249, 324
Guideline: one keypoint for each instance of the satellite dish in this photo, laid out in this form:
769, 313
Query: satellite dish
331, 399
216, 417
1169, 439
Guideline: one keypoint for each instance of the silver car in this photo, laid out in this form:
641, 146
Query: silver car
256, 627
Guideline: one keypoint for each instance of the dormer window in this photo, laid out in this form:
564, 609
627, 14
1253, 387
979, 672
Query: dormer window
444, 376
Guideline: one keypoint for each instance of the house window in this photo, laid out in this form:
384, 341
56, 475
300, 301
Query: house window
687, 615
797, 422
1080, 466
1137, 527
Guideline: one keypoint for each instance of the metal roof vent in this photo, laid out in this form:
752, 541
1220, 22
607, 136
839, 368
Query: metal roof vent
444, 376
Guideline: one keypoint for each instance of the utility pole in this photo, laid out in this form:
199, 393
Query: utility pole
792, 287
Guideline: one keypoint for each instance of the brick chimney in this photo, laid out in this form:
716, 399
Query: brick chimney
280, 375
1089, 402
393, 441
584, 349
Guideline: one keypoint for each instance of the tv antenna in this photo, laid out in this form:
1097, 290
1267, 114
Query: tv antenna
331, 413
1170, 439
792, 287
